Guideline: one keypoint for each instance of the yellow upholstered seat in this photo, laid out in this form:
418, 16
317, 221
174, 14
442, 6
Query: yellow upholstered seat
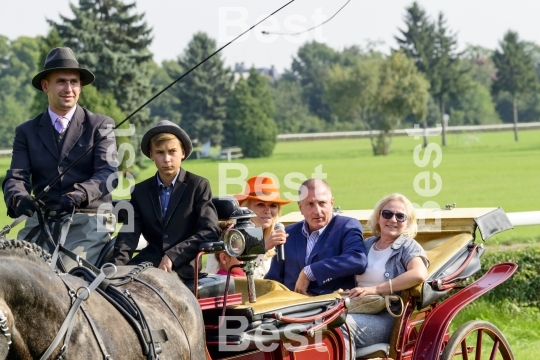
273, 296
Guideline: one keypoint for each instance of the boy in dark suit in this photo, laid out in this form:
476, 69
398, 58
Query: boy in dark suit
173, 210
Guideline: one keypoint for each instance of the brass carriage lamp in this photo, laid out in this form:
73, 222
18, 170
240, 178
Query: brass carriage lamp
245, 241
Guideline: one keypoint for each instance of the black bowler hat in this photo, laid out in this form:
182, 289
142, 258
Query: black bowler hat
62, 58
166, 126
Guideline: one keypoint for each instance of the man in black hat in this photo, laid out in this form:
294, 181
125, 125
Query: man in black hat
173, 210
51, 142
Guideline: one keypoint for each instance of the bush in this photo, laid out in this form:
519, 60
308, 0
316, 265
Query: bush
524, 286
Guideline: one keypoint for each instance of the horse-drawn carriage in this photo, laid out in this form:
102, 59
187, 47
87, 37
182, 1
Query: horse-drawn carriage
245, 318
301, 327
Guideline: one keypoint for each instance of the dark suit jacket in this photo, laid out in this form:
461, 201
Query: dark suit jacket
37, 160
338, 255
190, 219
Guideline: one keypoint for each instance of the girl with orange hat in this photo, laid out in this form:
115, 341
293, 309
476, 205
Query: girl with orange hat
261, 195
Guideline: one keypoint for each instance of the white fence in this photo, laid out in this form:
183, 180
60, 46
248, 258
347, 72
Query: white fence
524, 218
403, 132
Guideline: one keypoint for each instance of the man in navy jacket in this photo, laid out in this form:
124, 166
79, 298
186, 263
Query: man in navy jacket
324, 251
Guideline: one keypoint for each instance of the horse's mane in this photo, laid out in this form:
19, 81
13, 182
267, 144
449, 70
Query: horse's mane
22, 249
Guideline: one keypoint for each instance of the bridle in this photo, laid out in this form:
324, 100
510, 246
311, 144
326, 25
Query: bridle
4, 328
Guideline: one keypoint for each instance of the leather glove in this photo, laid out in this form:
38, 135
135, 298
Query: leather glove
27, 205
72, 199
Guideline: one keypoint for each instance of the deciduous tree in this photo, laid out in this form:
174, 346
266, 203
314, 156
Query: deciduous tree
380, 94
251, 116
515, 72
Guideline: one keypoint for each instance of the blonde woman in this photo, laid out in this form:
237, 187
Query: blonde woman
261, 195
395, 262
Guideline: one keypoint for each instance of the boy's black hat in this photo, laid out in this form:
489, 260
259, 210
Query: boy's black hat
166, 126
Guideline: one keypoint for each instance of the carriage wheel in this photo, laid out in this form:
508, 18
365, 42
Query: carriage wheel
477, 340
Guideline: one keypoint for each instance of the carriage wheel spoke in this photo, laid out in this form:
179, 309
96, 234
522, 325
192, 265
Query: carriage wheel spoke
464, 350
495, 350
489, 342
479, 337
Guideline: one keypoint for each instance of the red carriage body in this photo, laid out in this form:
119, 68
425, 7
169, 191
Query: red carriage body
281, 324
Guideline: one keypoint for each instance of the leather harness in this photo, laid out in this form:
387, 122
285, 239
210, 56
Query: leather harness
107, 286
123, 301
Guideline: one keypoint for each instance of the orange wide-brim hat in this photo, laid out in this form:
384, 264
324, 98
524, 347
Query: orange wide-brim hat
262, 188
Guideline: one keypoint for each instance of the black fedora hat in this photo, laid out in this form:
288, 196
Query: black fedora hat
62, 58
166, 126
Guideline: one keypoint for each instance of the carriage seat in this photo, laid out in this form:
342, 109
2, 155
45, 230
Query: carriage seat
260, 326
211, 286
274, 297
446, 255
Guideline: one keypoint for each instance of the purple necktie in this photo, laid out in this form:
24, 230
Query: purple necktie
61, 124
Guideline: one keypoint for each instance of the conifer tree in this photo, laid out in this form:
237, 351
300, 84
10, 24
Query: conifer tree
203, 93
111, 40
515, 72
433, 47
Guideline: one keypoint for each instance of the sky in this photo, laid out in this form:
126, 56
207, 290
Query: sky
477, 22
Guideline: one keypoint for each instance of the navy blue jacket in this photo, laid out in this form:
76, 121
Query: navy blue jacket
37, 160
338, 255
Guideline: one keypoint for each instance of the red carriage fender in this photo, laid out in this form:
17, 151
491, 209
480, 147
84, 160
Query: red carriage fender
436, 324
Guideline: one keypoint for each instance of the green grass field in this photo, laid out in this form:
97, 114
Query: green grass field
477, 170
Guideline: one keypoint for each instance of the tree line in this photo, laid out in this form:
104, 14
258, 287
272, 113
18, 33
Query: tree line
420, 81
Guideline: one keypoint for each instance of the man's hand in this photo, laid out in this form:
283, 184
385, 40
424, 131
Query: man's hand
72, 200
27, 205
302, 283
165, 264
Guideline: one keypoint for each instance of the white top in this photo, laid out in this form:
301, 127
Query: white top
376, 267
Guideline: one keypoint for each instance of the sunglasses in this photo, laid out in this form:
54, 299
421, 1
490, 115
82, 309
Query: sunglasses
387, 214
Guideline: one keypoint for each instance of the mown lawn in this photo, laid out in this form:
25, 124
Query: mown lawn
477, 170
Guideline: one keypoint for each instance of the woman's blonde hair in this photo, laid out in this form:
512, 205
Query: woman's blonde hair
412, 227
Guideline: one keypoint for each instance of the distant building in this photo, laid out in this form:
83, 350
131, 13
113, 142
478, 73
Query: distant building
240, 70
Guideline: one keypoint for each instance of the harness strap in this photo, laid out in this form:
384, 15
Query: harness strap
134, 273
168, 306
106, 355
63, 235
70, 318
79, 260
147, 333
157, 335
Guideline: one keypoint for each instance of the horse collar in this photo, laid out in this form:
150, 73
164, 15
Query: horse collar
4, 328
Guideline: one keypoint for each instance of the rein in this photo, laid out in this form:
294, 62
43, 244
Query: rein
79, 296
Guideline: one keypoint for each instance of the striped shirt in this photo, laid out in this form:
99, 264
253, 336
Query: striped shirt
68, 116
311, 241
